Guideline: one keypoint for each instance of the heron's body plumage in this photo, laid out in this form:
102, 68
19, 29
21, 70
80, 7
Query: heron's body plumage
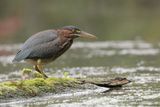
46, 45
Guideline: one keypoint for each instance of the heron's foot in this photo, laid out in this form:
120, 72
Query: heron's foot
38, 75
43, 74
39, 70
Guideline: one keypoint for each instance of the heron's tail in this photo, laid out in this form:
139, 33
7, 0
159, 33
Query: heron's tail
20, 56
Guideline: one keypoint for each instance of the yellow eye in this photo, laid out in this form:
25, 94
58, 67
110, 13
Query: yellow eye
78, 31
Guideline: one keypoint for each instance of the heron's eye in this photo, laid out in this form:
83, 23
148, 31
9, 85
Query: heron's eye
78, 31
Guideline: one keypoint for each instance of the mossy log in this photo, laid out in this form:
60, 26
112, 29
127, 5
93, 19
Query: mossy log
39, 86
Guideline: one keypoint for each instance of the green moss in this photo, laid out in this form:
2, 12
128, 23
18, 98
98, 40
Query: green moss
26, 70
39, 86
34, 87
7, 89
29, 73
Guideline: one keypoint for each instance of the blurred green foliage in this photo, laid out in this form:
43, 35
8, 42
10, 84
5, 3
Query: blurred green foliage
108, 19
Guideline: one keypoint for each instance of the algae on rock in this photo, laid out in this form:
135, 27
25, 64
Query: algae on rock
34, 87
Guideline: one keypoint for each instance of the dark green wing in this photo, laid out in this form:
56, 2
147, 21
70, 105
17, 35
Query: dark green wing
36, 42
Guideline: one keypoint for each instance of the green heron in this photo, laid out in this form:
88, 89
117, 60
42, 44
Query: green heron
46, 46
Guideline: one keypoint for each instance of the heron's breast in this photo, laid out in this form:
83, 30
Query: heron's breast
65, 46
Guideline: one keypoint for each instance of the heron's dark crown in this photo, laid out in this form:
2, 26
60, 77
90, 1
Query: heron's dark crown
71, 28
69, 31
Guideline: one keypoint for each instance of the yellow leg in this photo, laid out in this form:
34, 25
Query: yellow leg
39, 68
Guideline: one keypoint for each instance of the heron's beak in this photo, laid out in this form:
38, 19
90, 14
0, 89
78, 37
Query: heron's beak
87, 35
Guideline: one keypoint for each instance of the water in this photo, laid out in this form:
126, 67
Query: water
136, 60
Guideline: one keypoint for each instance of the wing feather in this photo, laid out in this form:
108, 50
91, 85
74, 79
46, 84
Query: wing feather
40, 38
35, 43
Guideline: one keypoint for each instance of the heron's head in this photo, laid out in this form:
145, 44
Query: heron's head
75, 32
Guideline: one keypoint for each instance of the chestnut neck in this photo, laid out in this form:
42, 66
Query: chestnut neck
64, 33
